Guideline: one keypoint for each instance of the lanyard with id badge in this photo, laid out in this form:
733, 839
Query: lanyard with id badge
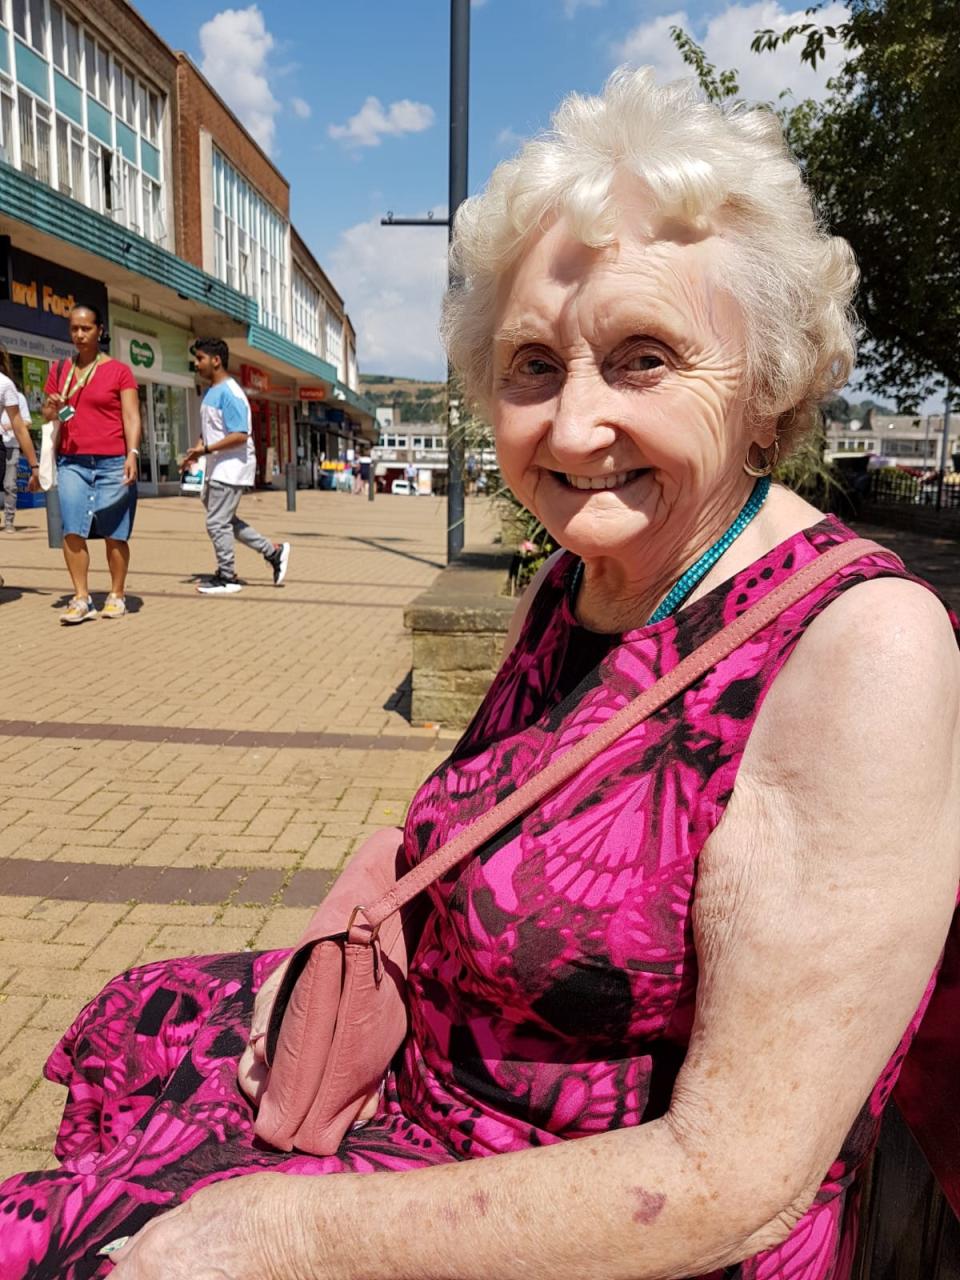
74, 386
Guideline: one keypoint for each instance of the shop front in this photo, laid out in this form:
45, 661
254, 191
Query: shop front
271, 409
158, 353
34, 325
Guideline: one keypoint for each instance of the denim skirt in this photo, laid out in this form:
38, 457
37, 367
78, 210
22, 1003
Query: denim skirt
94, 501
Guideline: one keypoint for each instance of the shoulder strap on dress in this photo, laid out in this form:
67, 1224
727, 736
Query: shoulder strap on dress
712, 651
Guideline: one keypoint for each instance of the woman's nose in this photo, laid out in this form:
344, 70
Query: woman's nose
583, 418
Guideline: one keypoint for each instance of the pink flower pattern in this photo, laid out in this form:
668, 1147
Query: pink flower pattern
554, 986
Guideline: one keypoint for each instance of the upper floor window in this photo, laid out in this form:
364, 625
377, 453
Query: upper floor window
29, 23
97, 61
306, 312
334, 338
250, 243
65, 42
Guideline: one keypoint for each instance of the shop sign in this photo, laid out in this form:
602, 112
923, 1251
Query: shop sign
42, 295
254, 379
140, 351
313, 393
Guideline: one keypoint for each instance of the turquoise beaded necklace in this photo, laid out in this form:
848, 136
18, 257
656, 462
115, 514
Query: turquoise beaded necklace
679, 592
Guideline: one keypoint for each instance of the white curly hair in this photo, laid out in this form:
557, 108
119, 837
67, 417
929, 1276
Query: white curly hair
723, 168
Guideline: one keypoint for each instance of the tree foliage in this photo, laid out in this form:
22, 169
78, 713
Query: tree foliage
882, 155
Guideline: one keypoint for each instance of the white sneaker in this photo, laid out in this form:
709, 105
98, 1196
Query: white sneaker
219, 586
78, 611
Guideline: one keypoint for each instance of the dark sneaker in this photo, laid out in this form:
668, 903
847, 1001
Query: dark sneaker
218, 585
278, 561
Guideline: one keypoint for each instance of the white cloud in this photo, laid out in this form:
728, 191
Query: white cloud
726, 39
300, 108
373, 122
392, 280
510, 139
236, 46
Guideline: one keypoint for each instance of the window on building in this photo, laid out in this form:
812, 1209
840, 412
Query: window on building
418, 442
70, 158
306, 313
30, 24
34, 137
98, 184
130, 195
154, 227
65, 42
250, 243
334, 338
7, 109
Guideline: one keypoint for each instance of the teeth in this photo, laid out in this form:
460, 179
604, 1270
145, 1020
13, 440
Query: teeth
601, 482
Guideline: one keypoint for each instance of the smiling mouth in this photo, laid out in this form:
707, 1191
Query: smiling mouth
616, 481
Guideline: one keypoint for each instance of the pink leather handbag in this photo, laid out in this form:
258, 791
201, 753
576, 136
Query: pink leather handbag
340, 1013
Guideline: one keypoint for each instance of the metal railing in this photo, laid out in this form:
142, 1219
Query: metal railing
902, 486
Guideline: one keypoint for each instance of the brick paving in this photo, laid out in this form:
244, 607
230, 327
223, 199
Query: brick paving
190, 778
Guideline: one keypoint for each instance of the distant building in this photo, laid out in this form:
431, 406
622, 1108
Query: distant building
910, 440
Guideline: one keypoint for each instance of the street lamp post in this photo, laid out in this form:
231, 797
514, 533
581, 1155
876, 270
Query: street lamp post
944, 444
459, 133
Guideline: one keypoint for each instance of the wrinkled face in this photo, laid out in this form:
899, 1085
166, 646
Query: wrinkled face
618, 390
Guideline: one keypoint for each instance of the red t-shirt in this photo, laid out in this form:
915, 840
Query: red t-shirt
97, 425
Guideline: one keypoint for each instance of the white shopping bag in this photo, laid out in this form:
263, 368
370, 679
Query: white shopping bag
191, 480
48, 455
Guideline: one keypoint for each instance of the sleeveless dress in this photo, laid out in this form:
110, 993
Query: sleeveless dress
553, 990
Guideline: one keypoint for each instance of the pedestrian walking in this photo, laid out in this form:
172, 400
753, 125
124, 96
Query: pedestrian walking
94, 402
411, 473
226, 441
11, 447
14, 425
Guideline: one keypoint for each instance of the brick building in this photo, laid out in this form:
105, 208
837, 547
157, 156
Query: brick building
126, 182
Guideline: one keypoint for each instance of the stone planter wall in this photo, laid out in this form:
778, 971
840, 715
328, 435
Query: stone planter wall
458, 628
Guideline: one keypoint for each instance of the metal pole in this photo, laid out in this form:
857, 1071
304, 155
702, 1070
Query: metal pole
944, 444
459, 131
372, 482
291, 486
54, 521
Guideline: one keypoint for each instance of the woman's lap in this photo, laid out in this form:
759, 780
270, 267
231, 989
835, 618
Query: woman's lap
154, 1113
94, 501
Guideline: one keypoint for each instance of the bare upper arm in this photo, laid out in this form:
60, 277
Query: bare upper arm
130, 404
824, 895
524, 604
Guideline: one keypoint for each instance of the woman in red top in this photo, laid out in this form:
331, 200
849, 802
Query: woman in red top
95, 400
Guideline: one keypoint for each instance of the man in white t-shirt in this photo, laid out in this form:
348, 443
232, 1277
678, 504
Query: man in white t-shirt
226, 442
12, 447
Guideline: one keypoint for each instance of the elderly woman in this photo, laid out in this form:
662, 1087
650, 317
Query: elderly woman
667, 1008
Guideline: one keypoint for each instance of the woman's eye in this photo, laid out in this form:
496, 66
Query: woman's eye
642, 363
535, 367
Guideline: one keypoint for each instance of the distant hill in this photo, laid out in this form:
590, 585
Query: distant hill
417, 400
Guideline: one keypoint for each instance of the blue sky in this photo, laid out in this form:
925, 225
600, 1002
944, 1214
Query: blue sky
351, 102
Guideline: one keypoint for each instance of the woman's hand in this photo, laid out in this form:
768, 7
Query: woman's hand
33, 484
248, 1228
252, 1070
131, 468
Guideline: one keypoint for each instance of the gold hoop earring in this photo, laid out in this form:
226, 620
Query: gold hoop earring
770, 459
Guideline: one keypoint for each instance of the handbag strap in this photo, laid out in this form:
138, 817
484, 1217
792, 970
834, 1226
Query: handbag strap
709, 654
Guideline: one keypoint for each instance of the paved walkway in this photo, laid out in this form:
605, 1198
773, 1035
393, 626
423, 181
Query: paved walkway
189, 779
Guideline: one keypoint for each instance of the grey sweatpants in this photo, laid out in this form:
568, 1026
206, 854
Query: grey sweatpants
10, 485
223, 525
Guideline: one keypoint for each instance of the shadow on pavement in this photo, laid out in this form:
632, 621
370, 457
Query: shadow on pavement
400, 700
134, 603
